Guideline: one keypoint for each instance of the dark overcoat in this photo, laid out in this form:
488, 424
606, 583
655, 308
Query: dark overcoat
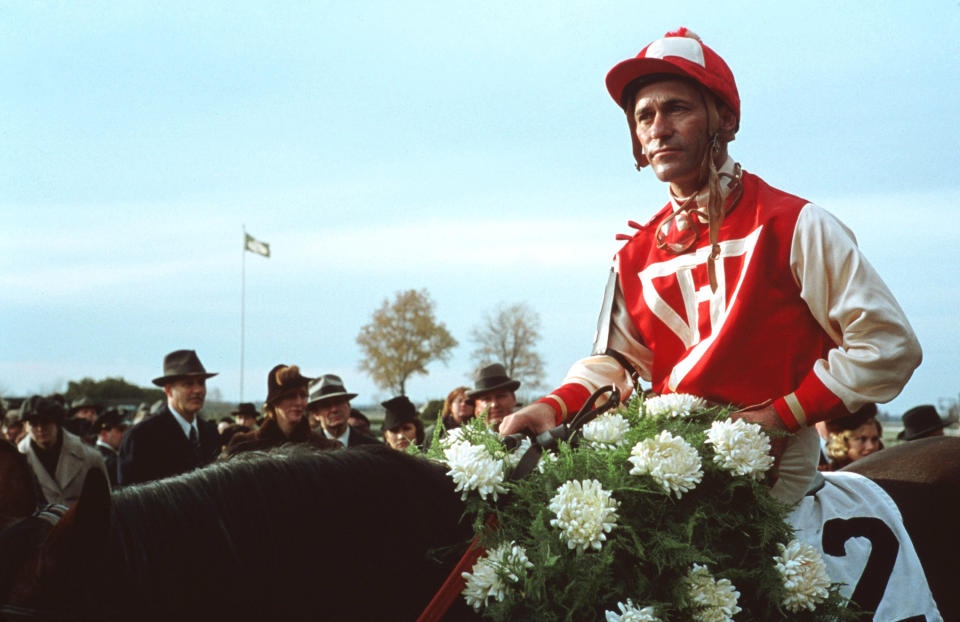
157, 447
269, 435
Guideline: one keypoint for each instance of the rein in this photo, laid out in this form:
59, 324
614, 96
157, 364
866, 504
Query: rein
550, 441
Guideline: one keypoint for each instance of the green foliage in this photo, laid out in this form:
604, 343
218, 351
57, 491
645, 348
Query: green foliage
730, 524
111, 391
402, 339
431, 411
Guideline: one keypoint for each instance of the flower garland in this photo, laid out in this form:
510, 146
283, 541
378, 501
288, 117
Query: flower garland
659, 512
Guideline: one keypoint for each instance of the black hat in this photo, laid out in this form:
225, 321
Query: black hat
247, 409
36, 409
922, 420
84, 402
853, 420
111, 418
492, 378
399, 410
327, 387
181, 364
282, 380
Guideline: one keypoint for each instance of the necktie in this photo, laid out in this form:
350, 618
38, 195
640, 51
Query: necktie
195, 441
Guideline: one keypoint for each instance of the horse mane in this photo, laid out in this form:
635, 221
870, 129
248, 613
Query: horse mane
288, 526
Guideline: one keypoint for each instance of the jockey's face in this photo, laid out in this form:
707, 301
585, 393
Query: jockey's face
671, 125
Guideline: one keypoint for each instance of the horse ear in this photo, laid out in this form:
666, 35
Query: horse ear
76, 541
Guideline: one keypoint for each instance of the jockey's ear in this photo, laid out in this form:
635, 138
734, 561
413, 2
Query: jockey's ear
729, 124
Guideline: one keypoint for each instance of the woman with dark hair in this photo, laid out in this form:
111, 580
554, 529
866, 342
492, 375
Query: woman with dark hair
853, 437
401, 424
285, 415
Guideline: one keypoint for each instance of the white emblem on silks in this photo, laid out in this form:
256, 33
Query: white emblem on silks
682, 268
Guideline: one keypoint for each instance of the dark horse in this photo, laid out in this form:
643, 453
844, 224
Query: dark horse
290, 535
344, 535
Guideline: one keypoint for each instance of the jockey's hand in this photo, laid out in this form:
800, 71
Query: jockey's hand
533, 419
766, 416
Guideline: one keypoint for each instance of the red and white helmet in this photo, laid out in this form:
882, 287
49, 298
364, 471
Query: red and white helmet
680, 53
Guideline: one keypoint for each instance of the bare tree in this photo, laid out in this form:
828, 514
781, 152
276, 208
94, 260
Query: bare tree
402, 339
509, 336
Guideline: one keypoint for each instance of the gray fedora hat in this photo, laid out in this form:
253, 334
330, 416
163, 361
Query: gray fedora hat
492, 378
327, 387
181, 364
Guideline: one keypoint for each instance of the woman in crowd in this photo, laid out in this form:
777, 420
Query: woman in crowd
285, 415
853, 437
458, 408
401, 424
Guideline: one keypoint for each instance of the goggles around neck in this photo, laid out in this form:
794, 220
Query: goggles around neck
680, 230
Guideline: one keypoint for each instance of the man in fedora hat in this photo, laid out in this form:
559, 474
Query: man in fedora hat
734, 291
85, 408
246, 414
176, 439
109, 429
59, 458
922, 422
329, 408
494, 392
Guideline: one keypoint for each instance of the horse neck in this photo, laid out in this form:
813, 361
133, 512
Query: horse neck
294, 534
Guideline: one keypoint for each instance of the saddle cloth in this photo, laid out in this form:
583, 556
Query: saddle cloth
859, 532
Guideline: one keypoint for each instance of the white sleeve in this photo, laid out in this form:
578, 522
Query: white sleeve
600, 370
877, 349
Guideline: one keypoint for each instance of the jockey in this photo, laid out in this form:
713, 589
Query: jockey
734, 291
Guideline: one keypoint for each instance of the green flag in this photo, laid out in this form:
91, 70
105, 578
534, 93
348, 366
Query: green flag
256, 246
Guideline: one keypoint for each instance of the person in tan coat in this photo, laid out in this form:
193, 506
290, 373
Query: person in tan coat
60, 459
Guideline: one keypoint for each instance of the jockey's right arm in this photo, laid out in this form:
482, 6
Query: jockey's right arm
587, 375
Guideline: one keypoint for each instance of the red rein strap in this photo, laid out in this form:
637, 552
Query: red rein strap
455, 582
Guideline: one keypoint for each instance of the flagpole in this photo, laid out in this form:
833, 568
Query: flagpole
243, 285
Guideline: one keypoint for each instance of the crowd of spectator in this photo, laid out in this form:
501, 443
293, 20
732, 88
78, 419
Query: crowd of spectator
63, 442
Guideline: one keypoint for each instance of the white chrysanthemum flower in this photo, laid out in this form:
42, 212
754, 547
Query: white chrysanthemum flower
673, 405
473, 468
741, 448
453, 436
546, 460
493, 572
585, 513
631, 613
670, 460
513, 458
607, 430
804, 576
717, 598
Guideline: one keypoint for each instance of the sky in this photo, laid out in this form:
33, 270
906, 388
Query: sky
466, 148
